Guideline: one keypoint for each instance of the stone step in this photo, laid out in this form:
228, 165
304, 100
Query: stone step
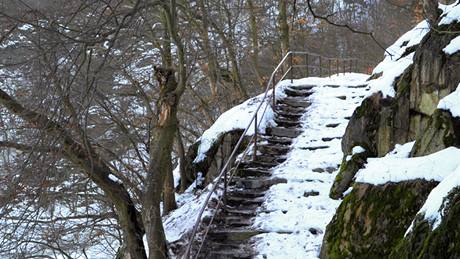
233, 221
278, 140
233, 234
253, 171
260, 164
332, 125
238, 201
302, 87
286, 123
240, 211
327, 139
294, 102
295, 93
274, 150
295, 116
257, 182
357, 86
283, 132
237, 253
283, 107
312, 148
246, 193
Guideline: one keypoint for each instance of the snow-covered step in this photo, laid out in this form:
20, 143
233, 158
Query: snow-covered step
294, 93
302, 87
258, 182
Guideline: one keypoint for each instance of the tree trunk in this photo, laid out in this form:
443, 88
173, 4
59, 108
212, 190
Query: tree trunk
169, 192
184, 181
212, 67
283, 27
160, 161
254, 42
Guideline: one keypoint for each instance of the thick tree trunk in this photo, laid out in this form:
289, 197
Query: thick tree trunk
212, 67
254, 42
184, 181
160, 161
283, 27
169, 192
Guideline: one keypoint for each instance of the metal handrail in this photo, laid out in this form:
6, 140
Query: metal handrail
223, 172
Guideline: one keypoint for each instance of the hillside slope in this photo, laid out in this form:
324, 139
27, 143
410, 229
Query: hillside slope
405, 187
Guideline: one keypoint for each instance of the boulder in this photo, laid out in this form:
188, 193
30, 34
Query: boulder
442, 242
372, 219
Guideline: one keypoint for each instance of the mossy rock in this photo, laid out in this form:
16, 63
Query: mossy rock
372, 219
442, 242
442, 131
347, 172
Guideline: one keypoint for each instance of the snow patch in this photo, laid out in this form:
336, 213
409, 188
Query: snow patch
396, 168
453, 47
236, 118
393, 64
451, 13
451, 102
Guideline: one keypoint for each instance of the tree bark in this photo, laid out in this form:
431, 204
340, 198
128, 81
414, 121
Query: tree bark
169, 192
283, 27
254, 42
212, 67
161, 145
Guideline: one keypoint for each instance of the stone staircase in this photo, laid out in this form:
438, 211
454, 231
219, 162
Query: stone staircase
230, 234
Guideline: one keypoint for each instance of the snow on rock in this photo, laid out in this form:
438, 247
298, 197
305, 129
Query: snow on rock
294, 220
451, 102
357, 150
396, 168
433, 208
237, 117
453, 47
451, 13
394, 64
179, 222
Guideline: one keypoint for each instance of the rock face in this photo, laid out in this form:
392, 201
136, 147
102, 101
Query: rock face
372, 219
218, 153
442, 242
442, 131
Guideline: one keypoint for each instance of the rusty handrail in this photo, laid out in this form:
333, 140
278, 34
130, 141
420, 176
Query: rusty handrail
271, 85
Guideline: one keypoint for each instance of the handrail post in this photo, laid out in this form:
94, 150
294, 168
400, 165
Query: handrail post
320, 67
224, 195
306, 61
290, 67
338, 66
254, 155
274, 97
343, 66
330, 71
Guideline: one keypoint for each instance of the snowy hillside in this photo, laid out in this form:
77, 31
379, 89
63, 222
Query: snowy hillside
294, 215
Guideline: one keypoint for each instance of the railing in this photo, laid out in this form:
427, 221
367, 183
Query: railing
311, 64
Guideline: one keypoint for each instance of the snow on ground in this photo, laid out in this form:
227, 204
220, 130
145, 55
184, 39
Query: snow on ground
396, 168
451, 13
295, 220
451, 102
453, 46
393, 64
237, 117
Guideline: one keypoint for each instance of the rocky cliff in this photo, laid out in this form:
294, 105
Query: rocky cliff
373, 219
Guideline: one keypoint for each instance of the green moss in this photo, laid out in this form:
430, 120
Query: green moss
372, 220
